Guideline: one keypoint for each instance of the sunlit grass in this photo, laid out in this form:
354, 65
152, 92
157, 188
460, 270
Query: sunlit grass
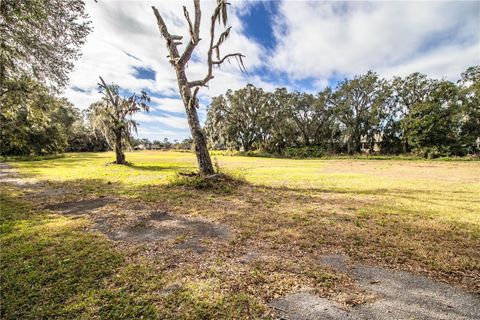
51, 268
422, 216
445, 190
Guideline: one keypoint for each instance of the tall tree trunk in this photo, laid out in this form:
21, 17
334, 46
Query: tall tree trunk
404, 145
246, 146
120, 157
201, 150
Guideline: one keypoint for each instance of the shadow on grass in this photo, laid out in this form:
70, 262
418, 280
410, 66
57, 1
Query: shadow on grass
51, 268
172, 168
320, 220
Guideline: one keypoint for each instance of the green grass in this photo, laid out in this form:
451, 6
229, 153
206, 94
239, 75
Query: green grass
416, 215
445, 189
51, 268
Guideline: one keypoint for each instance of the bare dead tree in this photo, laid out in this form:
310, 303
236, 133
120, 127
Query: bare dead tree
189, 89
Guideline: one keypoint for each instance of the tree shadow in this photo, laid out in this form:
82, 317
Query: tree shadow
320, 220
160, 168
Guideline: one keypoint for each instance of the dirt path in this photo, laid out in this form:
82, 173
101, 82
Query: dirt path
394, 294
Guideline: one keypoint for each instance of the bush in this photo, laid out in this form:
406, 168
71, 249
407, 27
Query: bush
304, 152
433, 152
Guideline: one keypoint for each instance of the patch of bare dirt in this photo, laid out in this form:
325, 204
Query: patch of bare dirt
32, 188
79, 207
188, 233
8, 175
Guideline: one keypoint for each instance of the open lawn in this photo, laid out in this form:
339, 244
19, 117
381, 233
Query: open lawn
242, 244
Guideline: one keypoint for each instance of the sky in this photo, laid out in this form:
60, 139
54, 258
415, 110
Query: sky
300, 45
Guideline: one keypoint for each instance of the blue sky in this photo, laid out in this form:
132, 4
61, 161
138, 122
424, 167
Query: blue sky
300, 45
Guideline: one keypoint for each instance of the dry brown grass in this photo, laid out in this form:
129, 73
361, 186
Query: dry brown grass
418, 216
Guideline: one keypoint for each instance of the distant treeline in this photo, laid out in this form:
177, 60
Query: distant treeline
368, 114
35, 121
414, 114
146, 144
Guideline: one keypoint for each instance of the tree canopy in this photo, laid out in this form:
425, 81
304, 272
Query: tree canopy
40, 39
429, 117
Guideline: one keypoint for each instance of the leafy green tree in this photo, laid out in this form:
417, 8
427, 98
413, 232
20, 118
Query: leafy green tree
407, 92
37, 124
166, 144
281, 128
427, 116
357, 104
469, 111
431, 128
313, 119
85, 139
112, 117
186, 144
302, 110
40, 41
237, 119
327, 134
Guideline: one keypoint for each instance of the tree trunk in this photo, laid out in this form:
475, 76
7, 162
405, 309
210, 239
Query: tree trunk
404, 145
201, 150
179, 62
120, 157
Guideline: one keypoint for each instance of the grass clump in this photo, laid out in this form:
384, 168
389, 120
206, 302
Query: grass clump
219, 182
204, 299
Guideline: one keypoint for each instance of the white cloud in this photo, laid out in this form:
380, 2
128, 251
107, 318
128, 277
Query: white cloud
167, 104
170, 121
126, 36
323, 39
315, 40
447, 62
130, 27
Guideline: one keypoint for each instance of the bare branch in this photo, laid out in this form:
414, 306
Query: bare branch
220, 15
200, 83
171, 44
190, 25
221, 39
194, 32
161, 24
209, 75
230, 55
107, 90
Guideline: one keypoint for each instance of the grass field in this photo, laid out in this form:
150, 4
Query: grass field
420, 216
